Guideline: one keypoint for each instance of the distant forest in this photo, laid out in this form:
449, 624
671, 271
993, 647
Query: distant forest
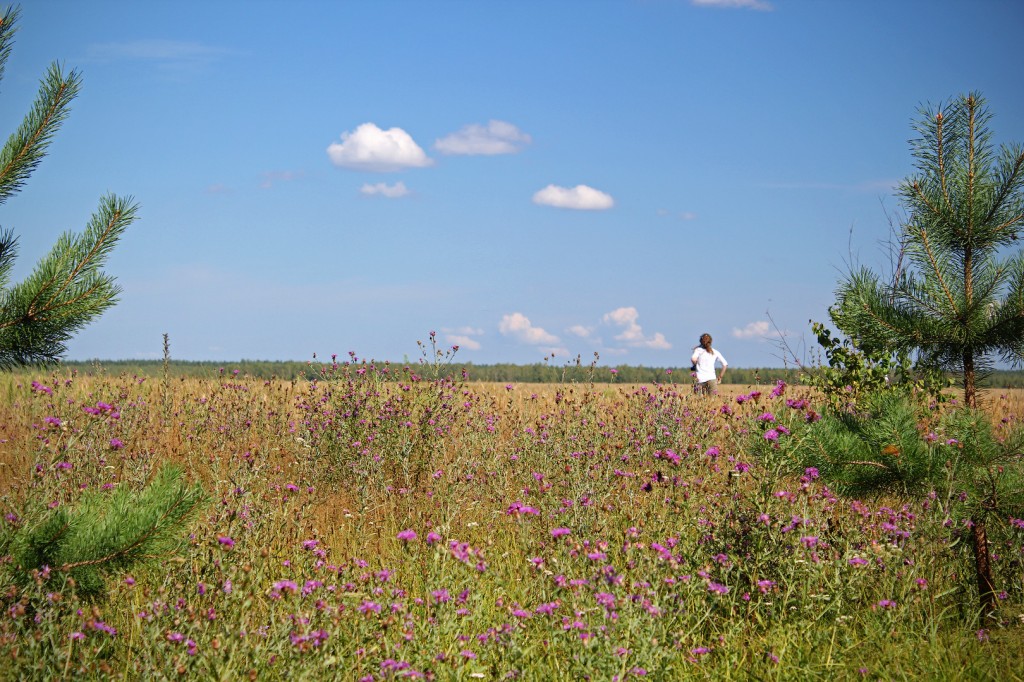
501, 373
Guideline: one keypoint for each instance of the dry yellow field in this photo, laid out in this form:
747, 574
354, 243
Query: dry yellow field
361, 528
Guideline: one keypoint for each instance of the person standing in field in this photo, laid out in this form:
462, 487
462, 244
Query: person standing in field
705, 358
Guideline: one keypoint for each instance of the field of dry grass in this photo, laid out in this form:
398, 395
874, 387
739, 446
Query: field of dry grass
375, 528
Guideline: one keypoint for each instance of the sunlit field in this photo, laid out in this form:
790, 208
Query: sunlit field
382, 523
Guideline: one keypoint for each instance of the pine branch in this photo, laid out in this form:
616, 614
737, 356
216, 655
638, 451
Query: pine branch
65, 292
119, 214
1011, 187
867, 463
67, 289
27, 146
7, 31
8, 253
180, 508
936, 270
972, 170
941, 156
105, 533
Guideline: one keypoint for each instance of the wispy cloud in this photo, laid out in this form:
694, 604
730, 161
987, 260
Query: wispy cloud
368, 148
580, 331
863, 186
760, 5
218, 288
680, 215
580, 198
497, 137
165, 54
271, 178
631, 333
383, 189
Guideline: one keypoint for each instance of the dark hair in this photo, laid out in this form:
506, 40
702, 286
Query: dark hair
705, 341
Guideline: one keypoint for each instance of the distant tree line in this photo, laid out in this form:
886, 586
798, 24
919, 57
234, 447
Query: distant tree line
540, 373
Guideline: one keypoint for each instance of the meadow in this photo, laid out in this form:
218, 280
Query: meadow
378, 522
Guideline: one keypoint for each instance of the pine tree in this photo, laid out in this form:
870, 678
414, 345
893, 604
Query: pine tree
67, 289
959, 302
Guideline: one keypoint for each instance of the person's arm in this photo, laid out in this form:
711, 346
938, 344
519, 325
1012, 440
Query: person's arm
696, 354
725, 366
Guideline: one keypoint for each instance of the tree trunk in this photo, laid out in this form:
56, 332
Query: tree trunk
970, 392
983, 569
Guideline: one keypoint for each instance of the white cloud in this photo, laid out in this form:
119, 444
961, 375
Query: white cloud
632, 334
519, 327
497, 137
580, 331
385, 190
580, 197
753, 330
735, 4
368, 148
461, 341
463, 337
658, 342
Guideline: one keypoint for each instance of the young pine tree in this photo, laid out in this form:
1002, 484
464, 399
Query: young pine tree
102, 533
959, 303
67, 289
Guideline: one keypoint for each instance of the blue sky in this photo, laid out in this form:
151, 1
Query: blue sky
524, 178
